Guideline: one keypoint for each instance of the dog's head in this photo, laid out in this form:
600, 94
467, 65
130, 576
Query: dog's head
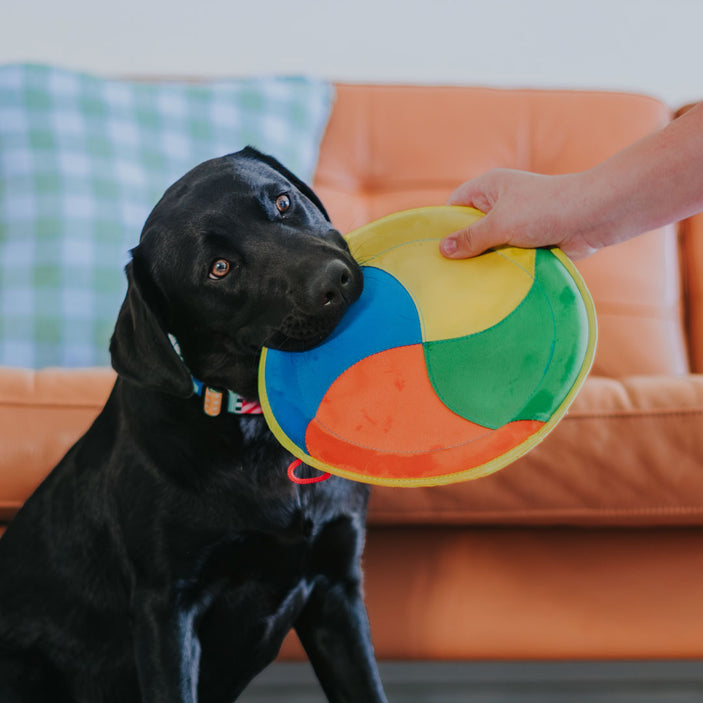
238, 254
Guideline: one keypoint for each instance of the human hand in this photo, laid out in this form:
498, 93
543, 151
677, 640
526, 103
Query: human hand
523, 210
653, 182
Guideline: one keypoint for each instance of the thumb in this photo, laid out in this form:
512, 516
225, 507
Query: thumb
470, 241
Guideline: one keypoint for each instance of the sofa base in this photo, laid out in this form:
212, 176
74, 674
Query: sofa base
455, 594
538, 593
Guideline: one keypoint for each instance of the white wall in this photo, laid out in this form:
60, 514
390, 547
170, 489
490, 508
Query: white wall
650, 46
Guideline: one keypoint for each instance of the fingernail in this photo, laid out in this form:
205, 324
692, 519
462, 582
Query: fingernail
448, 246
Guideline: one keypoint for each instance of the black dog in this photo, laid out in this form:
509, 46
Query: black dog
168, 554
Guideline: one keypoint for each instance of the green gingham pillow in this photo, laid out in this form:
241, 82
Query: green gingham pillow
82, 162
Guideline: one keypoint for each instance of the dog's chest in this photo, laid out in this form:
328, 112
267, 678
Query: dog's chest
288, 543
263, 581
283, 538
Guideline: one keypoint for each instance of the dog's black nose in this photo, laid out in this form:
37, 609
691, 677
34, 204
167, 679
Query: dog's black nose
336, 284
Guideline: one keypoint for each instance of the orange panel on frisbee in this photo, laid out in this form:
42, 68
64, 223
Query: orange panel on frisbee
443, 370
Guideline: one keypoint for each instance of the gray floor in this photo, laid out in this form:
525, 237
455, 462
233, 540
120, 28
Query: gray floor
498, 682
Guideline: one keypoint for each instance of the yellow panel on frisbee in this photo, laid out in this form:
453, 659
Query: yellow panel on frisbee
444, 370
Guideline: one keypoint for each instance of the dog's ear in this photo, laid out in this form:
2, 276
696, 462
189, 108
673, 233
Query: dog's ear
140, 347
303, 187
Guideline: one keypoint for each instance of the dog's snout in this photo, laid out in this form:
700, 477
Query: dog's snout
337, 284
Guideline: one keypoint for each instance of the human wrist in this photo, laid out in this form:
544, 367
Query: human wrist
601, 211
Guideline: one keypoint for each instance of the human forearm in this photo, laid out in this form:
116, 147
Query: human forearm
657, 180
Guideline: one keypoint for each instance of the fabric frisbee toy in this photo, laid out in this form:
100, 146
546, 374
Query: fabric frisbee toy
443, 370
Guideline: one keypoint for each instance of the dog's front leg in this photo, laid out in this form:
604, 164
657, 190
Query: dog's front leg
166, 648
334, 630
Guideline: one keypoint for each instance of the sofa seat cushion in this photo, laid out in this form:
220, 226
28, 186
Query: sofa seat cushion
42, 413
628, 453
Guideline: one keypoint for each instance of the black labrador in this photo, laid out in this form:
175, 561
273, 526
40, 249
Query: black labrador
168, 554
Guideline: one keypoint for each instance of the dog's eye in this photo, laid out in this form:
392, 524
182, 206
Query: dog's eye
219, 269
283, 203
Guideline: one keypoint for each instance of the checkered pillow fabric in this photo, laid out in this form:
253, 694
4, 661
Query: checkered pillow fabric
82, 162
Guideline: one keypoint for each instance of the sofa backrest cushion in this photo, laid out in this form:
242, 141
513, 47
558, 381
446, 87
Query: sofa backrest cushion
391, 148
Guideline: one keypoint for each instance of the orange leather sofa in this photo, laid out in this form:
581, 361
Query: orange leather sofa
590, 546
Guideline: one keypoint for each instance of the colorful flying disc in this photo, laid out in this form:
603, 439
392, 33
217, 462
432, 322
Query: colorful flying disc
443, 370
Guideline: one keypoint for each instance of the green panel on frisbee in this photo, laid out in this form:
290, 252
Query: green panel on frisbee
444, 370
